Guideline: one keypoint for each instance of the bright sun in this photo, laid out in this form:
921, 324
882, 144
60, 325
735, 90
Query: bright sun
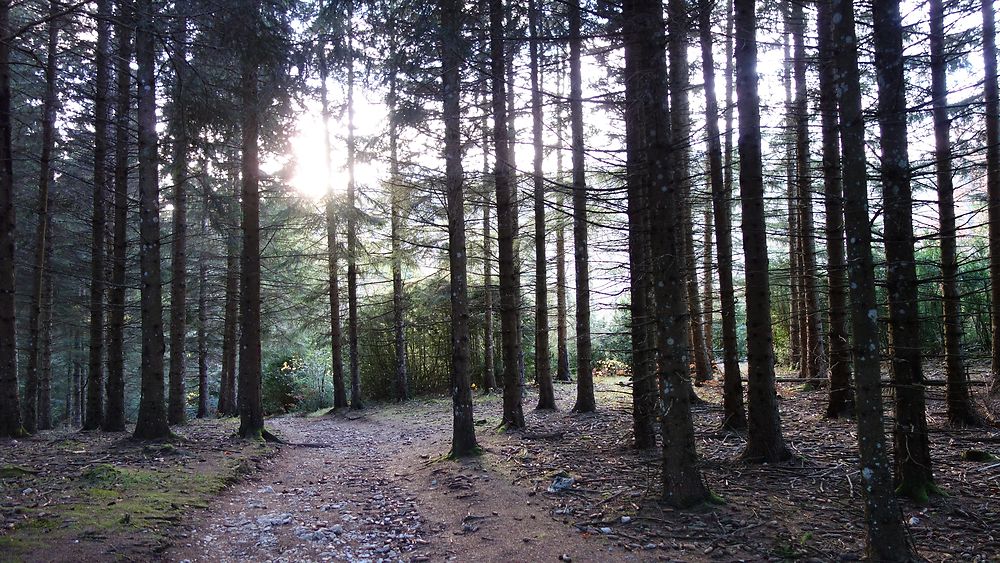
310, 177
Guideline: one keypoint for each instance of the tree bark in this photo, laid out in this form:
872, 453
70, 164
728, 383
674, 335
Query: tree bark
886, 538
817, 368
543, 369
45, 178
840, 398
396, 226
682, 485
152, 419
562, 353
734, 414
513, 415
960, 409
95, 364
227, 384
463, 441
992, 98
352, 227
914, 477
203, 298
764, 438
176, 401
644, 385
585, 401
332, 250
114, 409
45, 360
249, 396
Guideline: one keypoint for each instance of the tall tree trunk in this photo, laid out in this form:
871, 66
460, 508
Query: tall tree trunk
585, 401
489, 375
637, 179
914, 477
176, 401
798, 349
886, 539
249, 395
396, 226
332, 250
152, 419
543, 369
680, 117
45, 359
841, 399
807, 246
708, 285
734, 414
644, 35
992, 98
562, 353
352, 226
231, 322
114, 409
45, 178
764, 439
510, 60
10, 408
95, 364
463, 441
513, 415
203, 297
960, 409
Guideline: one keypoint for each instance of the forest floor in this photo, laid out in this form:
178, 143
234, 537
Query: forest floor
375, 485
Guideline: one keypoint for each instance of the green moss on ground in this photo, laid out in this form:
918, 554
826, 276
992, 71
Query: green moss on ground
123, 501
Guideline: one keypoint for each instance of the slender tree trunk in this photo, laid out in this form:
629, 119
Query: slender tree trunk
543, 370
708, 291
585, 401
332, 250
562, 352
114, 409
886, 539
680, 117
203, 298
396, 189
463, 441
227, 383
352, 228
817, 370
734, 414
489, 375
95, 372
152, 419
10, 408
513, 416
45, 360
644, 385
249, 396
960, 409
914, 477
841, 399
992, 98
510, 58
644, 35
45, 176
798, 349
764, 439
176, 401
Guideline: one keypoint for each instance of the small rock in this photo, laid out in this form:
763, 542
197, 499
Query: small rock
267, 489
913, 521
626, 519
274, 519
605, 530
566, 558
27, 491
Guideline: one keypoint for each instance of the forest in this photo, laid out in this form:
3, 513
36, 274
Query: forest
499, 280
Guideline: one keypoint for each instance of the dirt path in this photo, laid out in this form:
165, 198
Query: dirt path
375, 488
